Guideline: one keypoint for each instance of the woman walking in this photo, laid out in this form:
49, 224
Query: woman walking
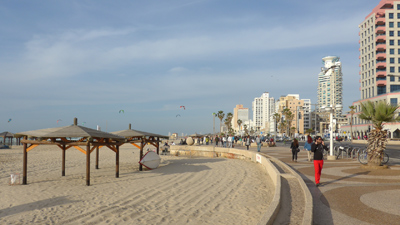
248, 142
295, 149
307, 146
318, 148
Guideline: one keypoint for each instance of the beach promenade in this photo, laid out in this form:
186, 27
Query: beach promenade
349, 194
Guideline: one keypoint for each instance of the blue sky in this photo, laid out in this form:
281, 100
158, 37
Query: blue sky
90, 59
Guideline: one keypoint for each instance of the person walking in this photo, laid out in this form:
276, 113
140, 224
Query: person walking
230, 141
248, 142
258, 141
295, 149
318, 148
224, 141
216, 140
307, 147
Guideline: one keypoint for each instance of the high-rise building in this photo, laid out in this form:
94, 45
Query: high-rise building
263, 109
379, 64
240, 113
330, 86
299, 107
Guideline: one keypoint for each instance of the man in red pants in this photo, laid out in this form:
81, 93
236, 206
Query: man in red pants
318, 148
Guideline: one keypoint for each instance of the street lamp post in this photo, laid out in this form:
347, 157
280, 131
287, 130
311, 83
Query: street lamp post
331, 109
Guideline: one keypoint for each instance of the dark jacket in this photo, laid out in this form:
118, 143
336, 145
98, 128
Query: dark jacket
318, 151
294, 147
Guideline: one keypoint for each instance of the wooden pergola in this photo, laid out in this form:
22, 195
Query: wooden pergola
68, 137
134, 137
7, 135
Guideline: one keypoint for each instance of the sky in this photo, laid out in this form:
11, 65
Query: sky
90, 59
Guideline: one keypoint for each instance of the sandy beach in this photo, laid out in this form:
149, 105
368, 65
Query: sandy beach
181, 191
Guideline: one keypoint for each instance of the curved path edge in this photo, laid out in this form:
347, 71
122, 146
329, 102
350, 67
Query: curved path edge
265, 160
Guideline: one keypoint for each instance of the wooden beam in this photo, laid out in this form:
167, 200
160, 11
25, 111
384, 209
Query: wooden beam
31, 147
63, 161
97, 158
80, 149
25, 164
88, 164
141, 154
158, 147
117, 162
153, 144
93, 148
137, 146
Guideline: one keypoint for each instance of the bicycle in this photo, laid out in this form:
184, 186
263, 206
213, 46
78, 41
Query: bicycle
363, 157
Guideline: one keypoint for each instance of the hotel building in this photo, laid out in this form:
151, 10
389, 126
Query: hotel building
330, 84
263, 109
240, 113
379, 64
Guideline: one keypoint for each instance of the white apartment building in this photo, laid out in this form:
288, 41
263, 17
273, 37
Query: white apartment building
263, 107
330, 84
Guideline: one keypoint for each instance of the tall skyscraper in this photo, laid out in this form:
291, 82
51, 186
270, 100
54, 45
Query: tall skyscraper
263, 109
379, 63
330, 85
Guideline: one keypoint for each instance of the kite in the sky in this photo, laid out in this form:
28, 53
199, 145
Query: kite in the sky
83, 124
58, 120
9, 120
178, 115
182, 106
121, 111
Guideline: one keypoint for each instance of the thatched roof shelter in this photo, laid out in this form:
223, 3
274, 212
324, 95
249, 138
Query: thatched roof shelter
134, 137
7, 135
61, 136
196, 135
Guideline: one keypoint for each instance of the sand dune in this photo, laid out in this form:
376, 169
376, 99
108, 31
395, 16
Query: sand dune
181, 191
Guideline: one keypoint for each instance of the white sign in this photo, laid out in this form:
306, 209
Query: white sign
258, 158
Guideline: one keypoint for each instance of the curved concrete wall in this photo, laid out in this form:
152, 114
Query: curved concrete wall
270, 215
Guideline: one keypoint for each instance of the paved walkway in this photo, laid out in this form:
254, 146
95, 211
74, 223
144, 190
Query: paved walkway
349, 194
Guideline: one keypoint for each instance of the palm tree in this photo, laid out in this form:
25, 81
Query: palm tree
277, 118
352, 112
378, 113
229, 116
289, 117
293, 129
282, 127
220, 115
309, 131
239, 122
245, 129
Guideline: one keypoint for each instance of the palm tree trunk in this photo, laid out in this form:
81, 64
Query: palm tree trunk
376, 145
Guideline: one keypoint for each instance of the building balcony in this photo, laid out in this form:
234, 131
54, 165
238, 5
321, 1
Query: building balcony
387, 5
381, 38
381, 56
381, 82
381, 73
380, 20
380, 46
380, 29
381, 65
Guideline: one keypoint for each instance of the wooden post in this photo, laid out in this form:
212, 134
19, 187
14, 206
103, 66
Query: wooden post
88, 163
117, 162
25, 164
63, 161
158, 146
97, 157
141, 153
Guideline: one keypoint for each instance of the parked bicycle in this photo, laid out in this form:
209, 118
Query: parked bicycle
363, 157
